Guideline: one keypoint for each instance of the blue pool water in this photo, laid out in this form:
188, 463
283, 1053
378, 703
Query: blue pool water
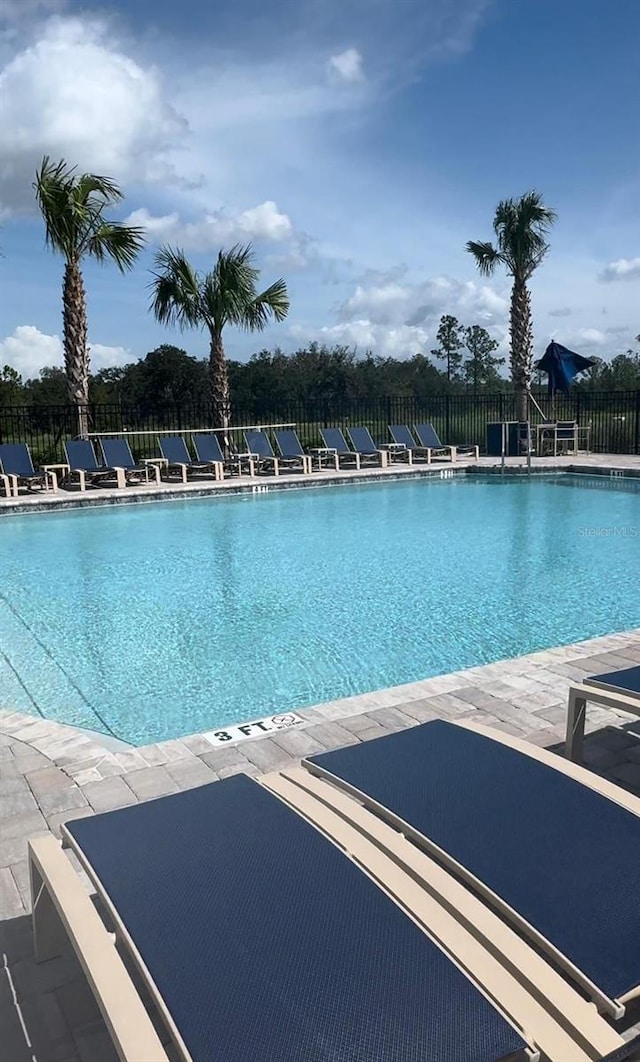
152, 621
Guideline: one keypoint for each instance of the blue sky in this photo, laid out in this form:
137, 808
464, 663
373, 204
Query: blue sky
357, 143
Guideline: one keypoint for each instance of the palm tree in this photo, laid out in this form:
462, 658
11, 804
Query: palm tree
521, 226
72, 206
226, 295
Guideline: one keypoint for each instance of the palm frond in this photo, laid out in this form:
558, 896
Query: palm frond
176, 291
53, 187
121, 243
273, 302
485, 254
521, 226
93, 184
230, 295
72, 206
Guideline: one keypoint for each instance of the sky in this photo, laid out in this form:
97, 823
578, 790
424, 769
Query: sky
357, 144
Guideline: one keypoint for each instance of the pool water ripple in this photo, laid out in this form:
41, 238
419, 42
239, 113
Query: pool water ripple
181, 617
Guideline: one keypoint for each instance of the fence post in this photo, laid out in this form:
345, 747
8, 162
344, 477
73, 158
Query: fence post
637, 430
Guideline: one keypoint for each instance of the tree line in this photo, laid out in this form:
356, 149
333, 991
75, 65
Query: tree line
168, 376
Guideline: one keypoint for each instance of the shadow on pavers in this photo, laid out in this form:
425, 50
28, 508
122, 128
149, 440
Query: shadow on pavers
47, 1010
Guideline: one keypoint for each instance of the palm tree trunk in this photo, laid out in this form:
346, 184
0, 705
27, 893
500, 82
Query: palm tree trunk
76, 355
521, 347
219, 383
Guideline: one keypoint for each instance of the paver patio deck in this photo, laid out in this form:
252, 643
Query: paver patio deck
50, 773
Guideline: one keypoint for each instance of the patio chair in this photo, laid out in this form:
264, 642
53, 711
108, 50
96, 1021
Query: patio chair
117, 454
364, 445
174, 450
367, 959
290, 448
401, 435
258, 443
83, 465
335, 443
567, 436
543, 842
207, 448
335, 966
614, 689
428, 437
17, 469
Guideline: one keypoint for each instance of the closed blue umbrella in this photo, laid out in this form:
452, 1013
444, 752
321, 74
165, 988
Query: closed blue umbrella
561, 365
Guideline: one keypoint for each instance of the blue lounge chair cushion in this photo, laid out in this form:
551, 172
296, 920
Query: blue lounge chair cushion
561, 855
81, 456
117, 454
289, 443
267, 942
258, 443
174, 449
428, 437
627, 680
15, 460
362, 441
334, 439
400, 434
208, 448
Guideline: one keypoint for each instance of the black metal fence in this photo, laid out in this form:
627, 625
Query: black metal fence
613, 416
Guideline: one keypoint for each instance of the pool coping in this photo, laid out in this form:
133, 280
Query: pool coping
608, 466
88, 756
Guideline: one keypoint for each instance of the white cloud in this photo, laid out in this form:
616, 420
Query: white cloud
262, 222
74, 94
423, 303
103, 357
346, 66
601, 342
398, 318
28, 350
621, 269
395, 342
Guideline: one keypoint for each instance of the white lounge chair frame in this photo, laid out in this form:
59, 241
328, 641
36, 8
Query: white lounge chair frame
10, 484
61, 908
579, 696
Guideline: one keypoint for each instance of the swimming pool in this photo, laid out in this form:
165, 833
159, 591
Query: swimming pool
152, 621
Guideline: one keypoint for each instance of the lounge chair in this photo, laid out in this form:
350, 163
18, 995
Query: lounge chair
117, 454
428, 437
364, 445
17, 469
207, 448
614, 689
290, 448
83, 464
335, 443
258, 443
334, 440
327, 965
401, 435
545, 843
174, 450
368, 958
